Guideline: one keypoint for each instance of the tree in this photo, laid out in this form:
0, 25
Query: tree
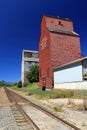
2, 83
15, 84
33, 74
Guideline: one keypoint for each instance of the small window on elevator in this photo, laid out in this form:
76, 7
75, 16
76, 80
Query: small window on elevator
60, 23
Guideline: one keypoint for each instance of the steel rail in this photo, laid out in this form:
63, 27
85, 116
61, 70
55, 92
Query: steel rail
47, 112
12, 99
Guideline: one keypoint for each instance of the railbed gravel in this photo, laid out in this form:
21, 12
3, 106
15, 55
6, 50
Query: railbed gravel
7, 120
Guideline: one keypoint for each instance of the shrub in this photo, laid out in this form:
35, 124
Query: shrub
19, 85
85, 74
25, 84
15, 84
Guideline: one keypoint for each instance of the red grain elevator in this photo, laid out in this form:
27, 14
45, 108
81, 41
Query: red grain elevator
58, 45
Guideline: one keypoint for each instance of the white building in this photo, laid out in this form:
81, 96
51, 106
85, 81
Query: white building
71, 75
28, 58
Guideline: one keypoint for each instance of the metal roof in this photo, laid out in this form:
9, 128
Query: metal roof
30, 51
63, 31
72, 62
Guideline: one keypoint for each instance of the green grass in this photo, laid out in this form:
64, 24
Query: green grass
27, 88
33, 89
52, 94
58, 109
80, 94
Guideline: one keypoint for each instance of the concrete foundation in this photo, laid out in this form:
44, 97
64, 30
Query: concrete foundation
74, 85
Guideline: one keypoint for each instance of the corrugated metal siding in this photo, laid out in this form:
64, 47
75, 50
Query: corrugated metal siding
70, 73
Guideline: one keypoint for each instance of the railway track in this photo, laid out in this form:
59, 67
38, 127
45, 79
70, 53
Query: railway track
23, 121
20, 102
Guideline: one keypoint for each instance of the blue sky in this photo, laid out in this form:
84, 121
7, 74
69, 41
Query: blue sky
20, 22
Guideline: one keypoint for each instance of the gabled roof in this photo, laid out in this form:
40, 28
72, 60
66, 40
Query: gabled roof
72, 62
57, 17
66, 32
30, 51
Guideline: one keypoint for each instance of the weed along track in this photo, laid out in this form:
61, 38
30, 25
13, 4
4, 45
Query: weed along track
33, 116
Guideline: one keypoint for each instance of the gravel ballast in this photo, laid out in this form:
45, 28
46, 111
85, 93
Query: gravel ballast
7, 121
